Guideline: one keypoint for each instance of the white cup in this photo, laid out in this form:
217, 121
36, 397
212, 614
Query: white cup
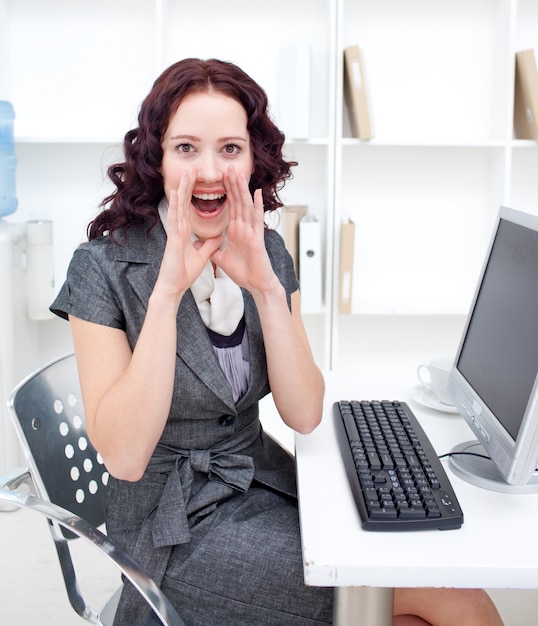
435, 377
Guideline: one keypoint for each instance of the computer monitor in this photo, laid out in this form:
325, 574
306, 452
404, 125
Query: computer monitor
494, 379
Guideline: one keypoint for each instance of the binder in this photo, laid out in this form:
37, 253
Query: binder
526, 96
347, 252
310, 264
291, 217
294, 91
356, 93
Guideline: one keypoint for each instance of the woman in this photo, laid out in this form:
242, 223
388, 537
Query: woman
185, 312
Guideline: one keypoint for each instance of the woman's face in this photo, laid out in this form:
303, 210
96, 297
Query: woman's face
209, 131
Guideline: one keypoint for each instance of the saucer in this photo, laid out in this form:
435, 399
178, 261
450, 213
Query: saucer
427, 398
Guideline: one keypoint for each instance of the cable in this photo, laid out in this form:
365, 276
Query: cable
482, 456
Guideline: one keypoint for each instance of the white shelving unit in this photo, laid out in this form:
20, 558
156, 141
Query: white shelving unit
423, 193
426, 186
425, 190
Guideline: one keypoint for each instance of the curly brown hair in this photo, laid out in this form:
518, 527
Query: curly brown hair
138, 180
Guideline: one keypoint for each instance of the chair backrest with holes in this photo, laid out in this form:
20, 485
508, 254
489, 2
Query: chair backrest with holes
49, 417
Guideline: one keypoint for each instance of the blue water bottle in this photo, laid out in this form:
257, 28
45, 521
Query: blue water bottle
8, 162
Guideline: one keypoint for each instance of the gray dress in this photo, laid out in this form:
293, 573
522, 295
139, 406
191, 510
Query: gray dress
214, 518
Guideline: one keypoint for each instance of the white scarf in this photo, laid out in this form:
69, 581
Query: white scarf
218, 298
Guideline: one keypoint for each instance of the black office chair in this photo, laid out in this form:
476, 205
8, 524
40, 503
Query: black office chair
64, 481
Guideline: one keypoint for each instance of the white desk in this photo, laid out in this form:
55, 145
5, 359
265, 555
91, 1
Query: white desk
495, 548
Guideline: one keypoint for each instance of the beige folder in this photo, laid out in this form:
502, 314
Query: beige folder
347, 251
526, 96
356, 93
291, 216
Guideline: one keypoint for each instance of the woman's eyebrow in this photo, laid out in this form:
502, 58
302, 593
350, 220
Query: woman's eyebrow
189, 137
234, 138
221, 139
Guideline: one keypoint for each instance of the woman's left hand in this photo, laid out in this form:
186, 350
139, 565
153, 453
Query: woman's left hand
296, 383
245, 259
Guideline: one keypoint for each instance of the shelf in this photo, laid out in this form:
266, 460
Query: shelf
423, 192
423, 143
524, 143
75, 140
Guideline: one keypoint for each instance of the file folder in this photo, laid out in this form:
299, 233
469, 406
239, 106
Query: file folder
526, 96
356, 93
295, 91
310, 264
347, 253
291, 217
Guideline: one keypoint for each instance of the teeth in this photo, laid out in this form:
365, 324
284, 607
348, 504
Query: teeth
208, 196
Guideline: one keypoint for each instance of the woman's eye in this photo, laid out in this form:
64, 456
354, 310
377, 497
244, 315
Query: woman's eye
231, 148
184, 147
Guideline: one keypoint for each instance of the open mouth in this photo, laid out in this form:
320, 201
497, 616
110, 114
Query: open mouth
208, 203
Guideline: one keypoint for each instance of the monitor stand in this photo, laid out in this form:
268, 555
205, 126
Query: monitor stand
482, 472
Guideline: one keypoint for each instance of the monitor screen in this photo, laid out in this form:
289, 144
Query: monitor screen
493, 380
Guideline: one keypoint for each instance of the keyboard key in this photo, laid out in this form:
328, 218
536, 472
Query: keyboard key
384, 514
374, 461
412, 513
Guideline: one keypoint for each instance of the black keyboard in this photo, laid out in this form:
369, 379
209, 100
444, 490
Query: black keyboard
396, 477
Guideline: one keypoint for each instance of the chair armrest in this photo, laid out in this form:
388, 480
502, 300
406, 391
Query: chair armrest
13, 480
129, 568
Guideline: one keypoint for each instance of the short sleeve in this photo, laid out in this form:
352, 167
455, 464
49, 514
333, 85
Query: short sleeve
87, 293
281, 261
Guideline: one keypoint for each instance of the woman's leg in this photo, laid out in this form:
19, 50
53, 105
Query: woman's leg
244, 566
445, 607
409, 620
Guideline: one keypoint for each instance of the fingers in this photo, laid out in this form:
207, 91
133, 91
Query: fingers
241, 205
209, 246
204, 251
187, 181
171, 217
233, 194
258, 201
180, 201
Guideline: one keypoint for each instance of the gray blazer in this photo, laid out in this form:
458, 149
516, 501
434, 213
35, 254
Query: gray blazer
207, 437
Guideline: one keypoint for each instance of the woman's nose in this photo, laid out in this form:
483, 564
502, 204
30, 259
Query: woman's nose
208, 168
